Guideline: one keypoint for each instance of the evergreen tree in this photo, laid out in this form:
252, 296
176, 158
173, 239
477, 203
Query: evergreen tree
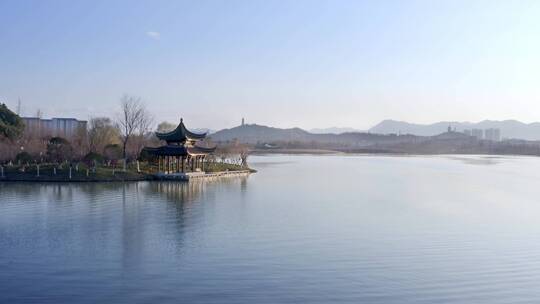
11, 125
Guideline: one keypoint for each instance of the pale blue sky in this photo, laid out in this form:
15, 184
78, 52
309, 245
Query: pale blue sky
280, 63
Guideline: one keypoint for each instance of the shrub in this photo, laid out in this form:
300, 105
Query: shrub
59, 150
23, 157
113, 152
146, 156
92, 158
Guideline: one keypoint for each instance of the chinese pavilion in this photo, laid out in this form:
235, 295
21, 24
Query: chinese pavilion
180, 154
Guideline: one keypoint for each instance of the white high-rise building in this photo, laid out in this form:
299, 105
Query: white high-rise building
62, 127
493, 134
478, 133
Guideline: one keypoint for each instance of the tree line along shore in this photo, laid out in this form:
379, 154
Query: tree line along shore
109, 149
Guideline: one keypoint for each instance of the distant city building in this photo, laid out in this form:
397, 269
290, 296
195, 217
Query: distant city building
467, 132
493, 134
62, 127
478, 133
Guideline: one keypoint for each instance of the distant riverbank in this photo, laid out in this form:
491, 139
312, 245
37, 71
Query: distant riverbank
293, 151
366, 151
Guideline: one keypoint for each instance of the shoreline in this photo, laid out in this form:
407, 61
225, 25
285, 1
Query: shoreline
372, 153
142, 177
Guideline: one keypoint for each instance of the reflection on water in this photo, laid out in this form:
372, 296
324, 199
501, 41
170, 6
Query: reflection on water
68, 234
478, 160
304, 229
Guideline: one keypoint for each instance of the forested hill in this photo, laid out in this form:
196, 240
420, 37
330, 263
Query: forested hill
256, 133
253, 134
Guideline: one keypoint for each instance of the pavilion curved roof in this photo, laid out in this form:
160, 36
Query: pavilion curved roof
175, 150
180, 134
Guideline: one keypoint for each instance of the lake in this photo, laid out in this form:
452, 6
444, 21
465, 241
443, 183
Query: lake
304, 229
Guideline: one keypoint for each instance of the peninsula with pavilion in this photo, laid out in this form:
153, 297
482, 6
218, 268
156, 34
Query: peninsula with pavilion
183, 155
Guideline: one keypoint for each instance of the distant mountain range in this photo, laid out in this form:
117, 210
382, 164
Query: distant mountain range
253, 133
392, 137
509, 128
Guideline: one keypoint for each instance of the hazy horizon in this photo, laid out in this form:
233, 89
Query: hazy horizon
307, 64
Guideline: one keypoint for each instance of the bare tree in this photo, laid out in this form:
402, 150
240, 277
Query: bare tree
244, 154
80, 142
134, 120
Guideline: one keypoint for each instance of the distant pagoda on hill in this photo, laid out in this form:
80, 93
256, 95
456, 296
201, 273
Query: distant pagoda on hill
180, 154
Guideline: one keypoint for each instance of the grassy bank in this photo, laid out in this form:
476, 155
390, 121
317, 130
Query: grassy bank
48, 173
81, 173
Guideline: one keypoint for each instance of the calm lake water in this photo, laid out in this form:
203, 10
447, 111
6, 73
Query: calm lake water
304, 229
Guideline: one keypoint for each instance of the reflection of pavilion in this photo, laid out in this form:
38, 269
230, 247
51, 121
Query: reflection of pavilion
178, 192
180, 154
